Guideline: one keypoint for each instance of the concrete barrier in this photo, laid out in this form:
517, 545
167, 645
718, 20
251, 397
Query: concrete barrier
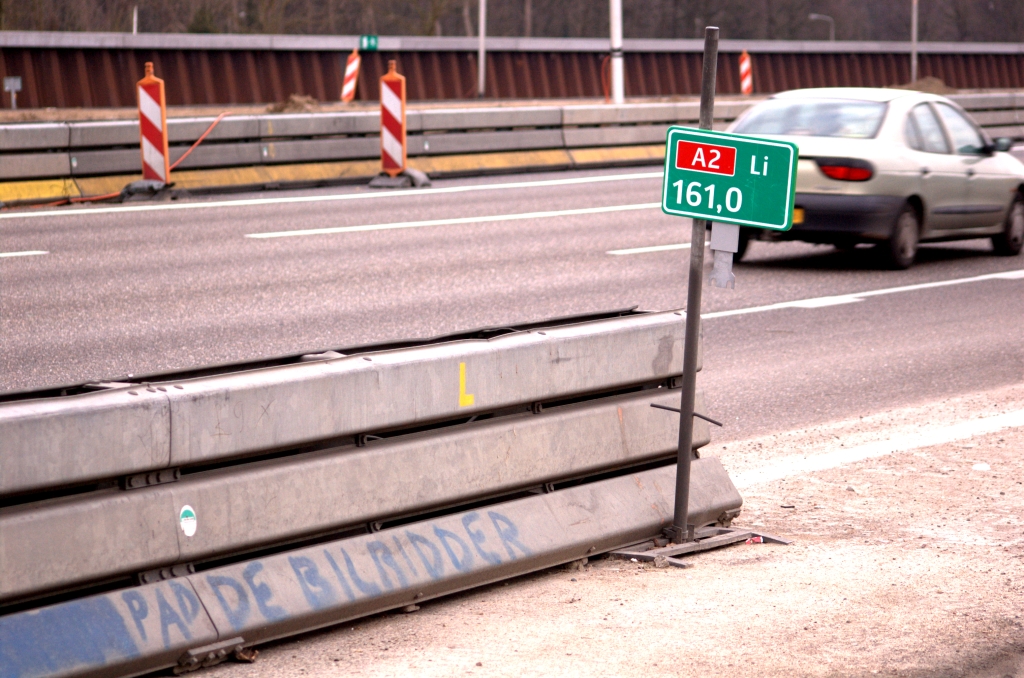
201, 618
126, 429
84, 149
96, 535
245, 505
98, 148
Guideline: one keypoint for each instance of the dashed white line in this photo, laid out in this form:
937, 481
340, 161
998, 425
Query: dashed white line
835, 300
653, 248
26, 253
455, 221
290, 200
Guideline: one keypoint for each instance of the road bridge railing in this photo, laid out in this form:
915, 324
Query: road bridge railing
172, 521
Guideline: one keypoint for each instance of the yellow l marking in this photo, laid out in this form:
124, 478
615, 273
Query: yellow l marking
465, 399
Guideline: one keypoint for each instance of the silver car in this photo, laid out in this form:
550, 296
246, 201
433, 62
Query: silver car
891, 167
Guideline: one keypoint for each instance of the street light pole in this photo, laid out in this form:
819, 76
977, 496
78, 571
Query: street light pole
618, 90
481, 55
913, 41
831, 24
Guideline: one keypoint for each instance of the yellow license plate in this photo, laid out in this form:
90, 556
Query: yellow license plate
798, 215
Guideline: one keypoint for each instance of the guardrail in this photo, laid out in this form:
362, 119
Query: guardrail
223, 510
80, 149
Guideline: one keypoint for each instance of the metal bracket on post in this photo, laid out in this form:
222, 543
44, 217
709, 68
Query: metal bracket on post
702, 539
725, 241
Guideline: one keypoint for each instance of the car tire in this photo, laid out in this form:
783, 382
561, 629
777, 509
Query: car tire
746, 234
899, 250
1010, 241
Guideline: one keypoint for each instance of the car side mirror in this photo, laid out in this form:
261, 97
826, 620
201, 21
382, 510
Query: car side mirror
1003, 144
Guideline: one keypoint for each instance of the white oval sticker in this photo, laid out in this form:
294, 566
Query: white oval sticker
187, 518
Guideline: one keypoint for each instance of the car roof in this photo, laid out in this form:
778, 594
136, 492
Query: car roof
857, 93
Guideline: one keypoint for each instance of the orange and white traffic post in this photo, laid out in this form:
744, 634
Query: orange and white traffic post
392, 122
746, 74
348, 87
153, 127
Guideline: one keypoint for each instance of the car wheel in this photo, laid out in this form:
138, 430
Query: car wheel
900, 249
745, 236
1009, 242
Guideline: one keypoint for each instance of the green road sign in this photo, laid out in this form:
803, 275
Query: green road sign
731, 178
368, 43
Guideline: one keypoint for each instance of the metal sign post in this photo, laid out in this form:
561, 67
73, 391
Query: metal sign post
681, 531
729, 178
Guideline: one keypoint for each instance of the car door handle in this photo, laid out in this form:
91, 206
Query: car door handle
924, 171
970, 172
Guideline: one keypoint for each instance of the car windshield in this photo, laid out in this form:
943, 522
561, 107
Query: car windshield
815, 118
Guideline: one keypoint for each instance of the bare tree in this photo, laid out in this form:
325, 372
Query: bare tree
951, 20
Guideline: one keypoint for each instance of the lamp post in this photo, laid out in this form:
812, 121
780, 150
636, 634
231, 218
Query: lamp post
618, 90
913, 41
481, 56
831, 24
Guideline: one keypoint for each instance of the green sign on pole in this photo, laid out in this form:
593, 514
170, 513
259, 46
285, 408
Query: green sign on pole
367, 43
730, 178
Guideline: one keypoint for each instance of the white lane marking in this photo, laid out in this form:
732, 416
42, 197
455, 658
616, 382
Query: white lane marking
26, 253
457, 220
653, 248
822, 302
836, 300
330, 198
926, 437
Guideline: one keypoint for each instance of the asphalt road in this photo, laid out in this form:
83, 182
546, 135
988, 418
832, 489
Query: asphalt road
152, 287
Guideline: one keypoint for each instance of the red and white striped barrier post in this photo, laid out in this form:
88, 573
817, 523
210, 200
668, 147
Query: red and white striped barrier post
392, 121
153, 127
746, 74
348, 87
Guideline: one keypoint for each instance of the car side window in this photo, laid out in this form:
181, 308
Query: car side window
966, 139
932, 138
912, 135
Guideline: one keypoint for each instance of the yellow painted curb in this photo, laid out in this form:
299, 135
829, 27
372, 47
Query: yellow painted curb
601, 156
39, 189
480, 162
268, 174
105, 185
23, 191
